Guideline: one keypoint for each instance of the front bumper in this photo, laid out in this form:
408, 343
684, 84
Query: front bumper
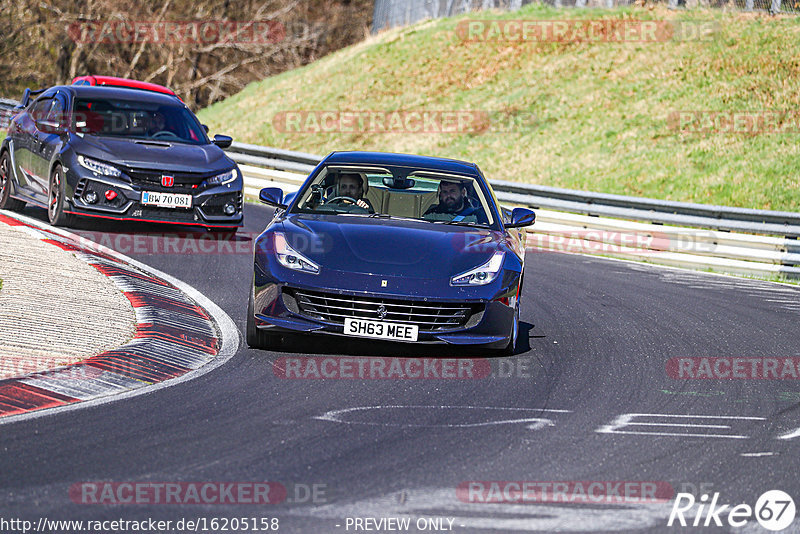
208, 204
489, 324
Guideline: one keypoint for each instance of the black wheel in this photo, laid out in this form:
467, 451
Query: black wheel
258, 339
57, 199
6, 202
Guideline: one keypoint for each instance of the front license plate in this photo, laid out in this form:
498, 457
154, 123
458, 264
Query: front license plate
381, 330
166, 200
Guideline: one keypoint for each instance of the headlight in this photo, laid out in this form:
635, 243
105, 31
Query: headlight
290, 258
482, 275
222, 179
99, 167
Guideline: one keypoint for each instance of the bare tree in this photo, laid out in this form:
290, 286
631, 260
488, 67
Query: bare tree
45, 43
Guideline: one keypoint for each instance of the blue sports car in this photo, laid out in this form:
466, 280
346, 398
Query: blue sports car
393, 247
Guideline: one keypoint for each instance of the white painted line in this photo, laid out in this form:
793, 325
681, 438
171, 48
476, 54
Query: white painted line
791, 435
533, 423
229, 334
627, 420
758, 454
681, 425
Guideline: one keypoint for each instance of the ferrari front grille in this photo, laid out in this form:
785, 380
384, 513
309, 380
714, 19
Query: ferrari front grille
428, 316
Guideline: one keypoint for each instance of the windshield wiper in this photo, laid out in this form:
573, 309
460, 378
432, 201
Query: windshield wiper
461, 223
377, 215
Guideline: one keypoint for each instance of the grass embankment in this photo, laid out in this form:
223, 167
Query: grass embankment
600, 111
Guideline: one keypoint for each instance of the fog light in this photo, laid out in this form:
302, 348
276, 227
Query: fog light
90, 197
111, 195
230, 209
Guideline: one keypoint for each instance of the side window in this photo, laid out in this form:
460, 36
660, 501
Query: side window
41, 108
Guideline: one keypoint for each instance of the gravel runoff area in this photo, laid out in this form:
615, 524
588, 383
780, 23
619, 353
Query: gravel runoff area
55, 309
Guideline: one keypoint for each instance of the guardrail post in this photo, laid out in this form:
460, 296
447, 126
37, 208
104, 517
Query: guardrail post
776, 7
673, 4
580, 3
748, 5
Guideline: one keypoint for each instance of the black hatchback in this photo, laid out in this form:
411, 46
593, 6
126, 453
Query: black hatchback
118, 154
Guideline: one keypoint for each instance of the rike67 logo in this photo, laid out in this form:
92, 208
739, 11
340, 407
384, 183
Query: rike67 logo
774, 510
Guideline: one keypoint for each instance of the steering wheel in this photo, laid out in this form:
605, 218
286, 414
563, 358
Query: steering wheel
163, 133
349, 200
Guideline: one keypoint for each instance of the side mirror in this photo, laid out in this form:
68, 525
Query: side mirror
272, 196
223, 141
205, 128
521, 217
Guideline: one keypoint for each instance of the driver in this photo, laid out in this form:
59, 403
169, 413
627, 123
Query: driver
351, 184
158, 123
454, 201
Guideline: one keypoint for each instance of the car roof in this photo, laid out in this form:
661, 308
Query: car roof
403, 160
100, 91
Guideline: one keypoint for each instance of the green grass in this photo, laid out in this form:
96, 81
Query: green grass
599, 111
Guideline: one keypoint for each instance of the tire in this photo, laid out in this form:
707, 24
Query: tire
56, 199
511, 348
6, 202
258, 339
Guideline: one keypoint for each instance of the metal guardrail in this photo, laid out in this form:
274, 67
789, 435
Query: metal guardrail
705, 216
6, 111
678, 234
273, 157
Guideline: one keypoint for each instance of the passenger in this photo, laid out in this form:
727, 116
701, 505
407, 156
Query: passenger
453, 200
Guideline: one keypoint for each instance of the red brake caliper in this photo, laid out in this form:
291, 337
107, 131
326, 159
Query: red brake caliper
56, 185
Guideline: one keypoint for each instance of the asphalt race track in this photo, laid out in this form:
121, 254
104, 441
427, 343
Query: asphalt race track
599, 336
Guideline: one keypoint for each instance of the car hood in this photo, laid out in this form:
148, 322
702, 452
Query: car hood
413, 249
177, 157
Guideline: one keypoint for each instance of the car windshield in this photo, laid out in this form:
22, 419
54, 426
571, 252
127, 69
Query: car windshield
137, 120
397, 193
